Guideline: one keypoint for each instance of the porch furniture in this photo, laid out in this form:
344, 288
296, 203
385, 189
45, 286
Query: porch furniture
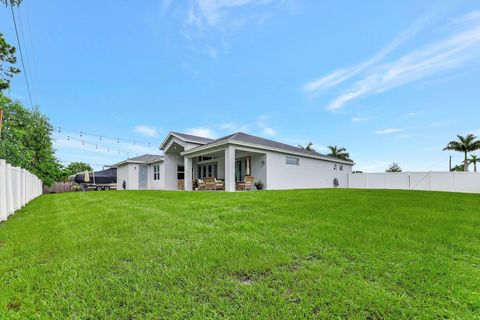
213, 184
219, 184
200, 184
246, 184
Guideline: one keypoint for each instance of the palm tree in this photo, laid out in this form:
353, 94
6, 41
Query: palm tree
308, 146
474, 159
340, 153
464, 144
394, 168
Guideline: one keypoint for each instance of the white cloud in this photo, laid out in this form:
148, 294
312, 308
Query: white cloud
214, 12
412, 114
269, 131
388, 131
202, 132
338, 76
146, 130
233, 127
266, 129
449, 53
205, 22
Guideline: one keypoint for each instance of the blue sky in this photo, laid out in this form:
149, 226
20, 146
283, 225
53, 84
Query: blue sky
388, 80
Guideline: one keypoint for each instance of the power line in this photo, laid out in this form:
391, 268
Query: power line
21, 56
89, 163
29, 55
101, 136
98, 146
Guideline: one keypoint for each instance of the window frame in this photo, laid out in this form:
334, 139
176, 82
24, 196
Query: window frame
156, 172
180, 172
295, 163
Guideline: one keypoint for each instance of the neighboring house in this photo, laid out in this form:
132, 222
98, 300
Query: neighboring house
231, 158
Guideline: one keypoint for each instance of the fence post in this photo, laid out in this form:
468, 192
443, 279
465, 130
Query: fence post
17, 188
22, 187
3, 191
9, 190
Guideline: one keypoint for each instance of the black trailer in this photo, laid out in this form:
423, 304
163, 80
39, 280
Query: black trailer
98, 180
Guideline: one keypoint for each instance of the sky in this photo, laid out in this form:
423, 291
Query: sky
391, 81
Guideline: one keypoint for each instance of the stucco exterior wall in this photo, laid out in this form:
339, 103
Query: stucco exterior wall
259, 169
309, 173
129, 174
169, 171
155, 184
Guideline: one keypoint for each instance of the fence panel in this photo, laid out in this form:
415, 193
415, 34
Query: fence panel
17, 188
59, 187
434, 181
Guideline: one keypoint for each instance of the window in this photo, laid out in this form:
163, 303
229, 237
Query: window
207, 170
203, 158
180, 172
335, 166
292, 161
341, 167
156, 172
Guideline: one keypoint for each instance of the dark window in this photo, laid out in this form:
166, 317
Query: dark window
180, 172
292, 161
156, 172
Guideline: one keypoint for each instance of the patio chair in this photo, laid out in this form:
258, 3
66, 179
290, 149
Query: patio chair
246, 184
219, 184
209, 183
213, 184
200, 184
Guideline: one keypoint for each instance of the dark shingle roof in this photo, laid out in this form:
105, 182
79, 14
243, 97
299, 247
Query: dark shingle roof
192, 138
248, 138
146, 158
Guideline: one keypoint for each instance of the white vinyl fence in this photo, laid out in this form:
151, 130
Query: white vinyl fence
434, 181
17, 188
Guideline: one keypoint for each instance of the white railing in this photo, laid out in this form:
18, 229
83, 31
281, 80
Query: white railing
431, 180
17, 188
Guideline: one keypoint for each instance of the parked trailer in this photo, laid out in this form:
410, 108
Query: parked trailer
96, 180
99, 187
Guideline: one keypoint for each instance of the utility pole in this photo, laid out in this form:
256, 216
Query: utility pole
450, 164
1, 120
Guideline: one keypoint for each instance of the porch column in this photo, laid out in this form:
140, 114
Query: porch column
230, 169
188, 173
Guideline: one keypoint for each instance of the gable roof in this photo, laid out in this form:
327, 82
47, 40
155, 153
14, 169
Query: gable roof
187, 138
244, 138
143, 159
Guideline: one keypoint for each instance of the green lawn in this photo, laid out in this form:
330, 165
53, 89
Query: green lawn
356, 254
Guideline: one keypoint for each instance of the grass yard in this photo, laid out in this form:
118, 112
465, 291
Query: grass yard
356, 254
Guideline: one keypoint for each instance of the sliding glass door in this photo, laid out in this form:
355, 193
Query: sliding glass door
207, 170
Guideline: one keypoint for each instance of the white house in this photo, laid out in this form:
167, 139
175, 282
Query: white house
230, 159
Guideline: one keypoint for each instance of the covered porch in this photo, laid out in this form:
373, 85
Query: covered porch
229, 166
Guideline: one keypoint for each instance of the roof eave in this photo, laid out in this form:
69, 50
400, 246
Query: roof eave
258, 146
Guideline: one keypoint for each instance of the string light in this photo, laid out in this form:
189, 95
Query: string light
96, 145
101, 137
